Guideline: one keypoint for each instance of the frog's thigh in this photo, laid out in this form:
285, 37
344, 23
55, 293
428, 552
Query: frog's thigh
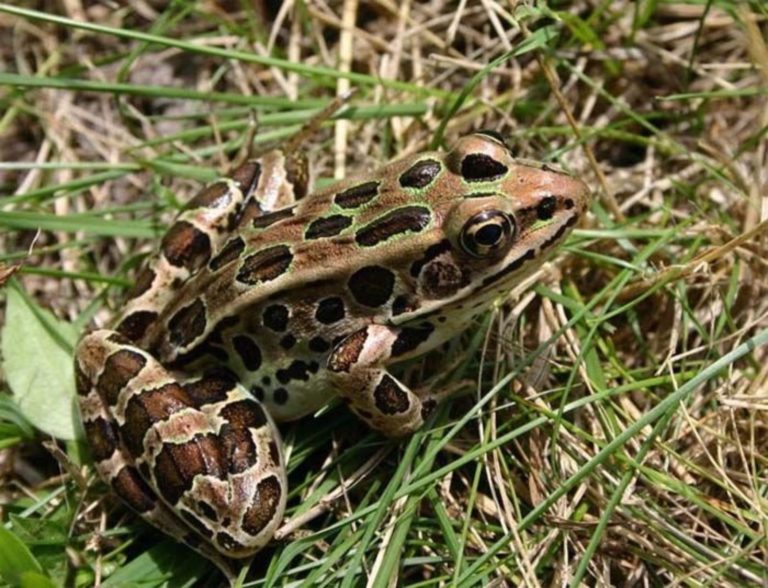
198, 456
356, 368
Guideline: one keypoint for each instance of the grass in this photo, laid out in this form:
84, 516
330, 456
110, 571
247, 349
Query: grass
618, 430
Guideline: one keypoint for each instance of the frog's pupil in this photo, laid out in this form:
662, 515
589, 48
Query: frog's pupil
489, 235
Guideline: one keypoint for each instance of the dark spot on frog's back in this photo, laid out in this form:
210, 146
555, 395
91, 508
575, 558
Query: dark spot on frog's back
372, 285
330, 310
184, 245
187, 324
408, 219
267, 220
357, 195
327, 226
262, 511
275, 317
265, 265
480, 167
420, 174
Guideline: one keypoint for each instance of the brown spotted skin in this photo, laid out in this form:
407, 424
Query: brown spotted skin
292, 301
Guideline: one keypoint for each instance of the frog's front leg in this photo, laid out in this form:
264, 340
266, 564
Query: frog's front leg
200, 459
356, 369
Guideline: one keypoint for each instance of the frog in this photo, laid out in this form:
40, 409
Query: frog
266, 300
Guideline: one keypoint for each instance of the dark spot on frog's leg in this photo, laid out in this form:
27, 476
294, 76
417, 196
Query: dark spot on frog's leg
347, 352
546, 208
330, 310
280, 396
136, 324
227, 541
480, 167
248, 351
389, 397
318, 345
327, 226
258, 393
372, 285
267, 220
364, 413
266, 501
275, 317
119, 369
177, 464
207, 511
184, 245
148, 407
187, 324
427, 407
83, 383
420, 174
357, 195
265, 265
408, 219
569, 203
130, 486
409, 338
216, 196
102, 438
195, 523
142, 284
244, 414
247, 175
274, 453
238, 448
288, 342
208, 390
231, 251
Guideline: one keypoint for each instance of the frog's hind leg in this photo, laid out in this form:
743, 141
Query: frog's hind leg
283, 174
200, 460
199, 237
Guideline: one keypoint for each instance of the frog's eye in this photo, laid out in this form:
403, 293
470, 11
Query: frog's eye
487, 233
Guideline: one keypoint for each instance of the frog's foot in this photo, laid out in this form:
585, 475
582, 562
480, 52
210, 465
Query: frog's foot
381, 400
201, 460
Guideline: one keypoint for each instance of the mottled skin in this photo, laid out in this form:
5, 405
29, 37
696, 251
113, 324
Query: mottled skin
281, 302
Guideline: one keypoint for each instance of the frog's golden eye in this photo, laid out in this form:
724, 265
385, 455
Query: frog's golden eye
487, 233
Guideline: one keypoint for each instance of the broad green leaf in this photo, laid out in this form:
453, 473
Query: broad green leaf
16, 560
37, 352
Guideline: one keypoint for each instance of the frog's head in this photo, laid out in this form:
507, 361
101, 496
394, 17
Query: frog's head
501, 218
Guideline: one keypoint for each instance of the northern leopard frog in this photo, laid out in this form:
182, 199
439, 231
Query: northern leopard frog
262, 304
